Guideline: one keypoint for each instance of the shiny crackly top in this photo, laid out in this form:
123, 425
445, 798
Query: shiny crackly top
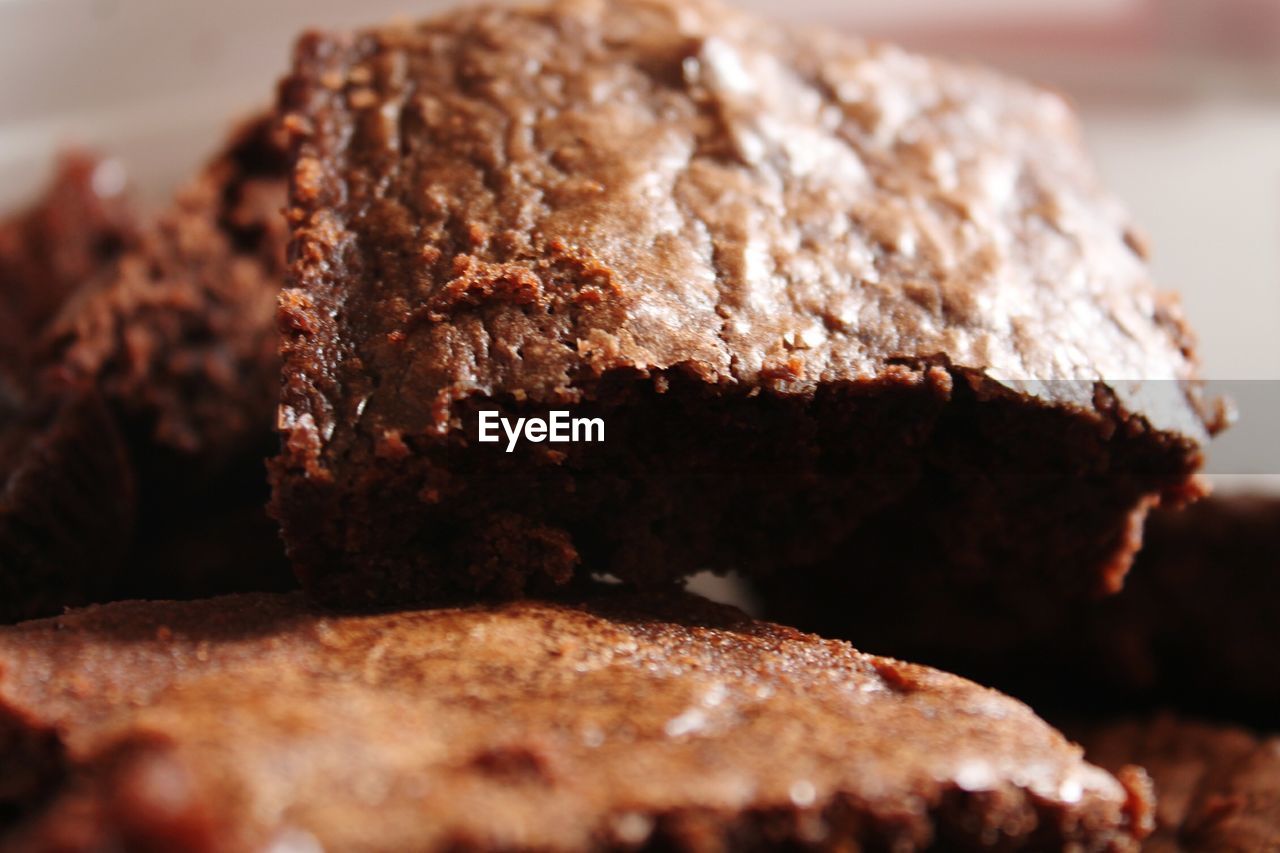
513, 201
569, 722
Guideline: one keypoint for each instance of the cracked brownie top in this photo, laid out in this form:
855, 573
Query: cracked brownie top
515, 201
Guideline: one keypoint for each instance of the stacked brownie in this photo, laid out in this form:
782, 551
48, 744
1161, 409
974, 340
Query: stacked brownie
618, 720
815, 288
856, 323
1189, 629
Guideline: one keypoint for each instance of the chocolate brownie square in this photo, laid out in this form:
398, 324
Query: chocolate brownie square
805, 285
616, 722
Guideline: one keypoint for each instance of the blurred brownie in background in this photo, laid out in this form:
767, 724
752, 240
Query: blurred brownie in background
162, 331
177, 332
82, 221
1217, 787
67, 501
179, 337
1196, 624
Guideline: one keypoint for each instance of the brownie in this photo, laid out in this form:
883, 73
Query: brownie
177, 334
80, 223
164, 337
67, 501
810, 285
619, 721
1193, 627
1217, 786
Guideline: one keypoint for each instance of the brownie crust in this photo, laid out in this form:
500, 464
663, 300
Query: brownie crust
619, 722
809, 282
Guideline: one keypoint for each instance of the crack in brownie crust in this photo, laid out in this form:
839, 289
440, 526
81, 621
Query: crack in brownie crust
744, 246
624, 721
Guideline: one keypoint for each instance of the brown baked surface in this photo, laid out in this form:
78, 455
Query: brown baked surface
1217, 786
1193, 628
797, 274
623, 721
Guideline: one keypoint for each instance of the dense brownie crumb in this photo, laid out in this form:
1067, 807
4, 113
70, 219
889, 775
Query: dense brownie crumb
81, 222
1192, 628
1217, 787
67, 502
622, 722
801, 278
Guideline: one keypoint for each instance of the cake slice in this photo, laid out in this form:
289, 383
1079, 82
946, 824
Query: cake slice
1217, 786
621, 721
782, 287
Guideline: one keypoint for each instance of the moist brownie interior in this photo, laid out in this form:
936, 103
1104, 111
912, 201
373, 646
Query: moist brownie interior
800, 277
